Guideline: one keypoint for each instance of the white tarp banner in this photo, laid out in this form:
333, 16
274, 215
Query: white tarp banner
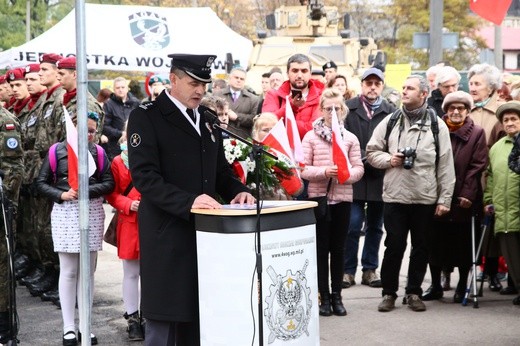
136, 38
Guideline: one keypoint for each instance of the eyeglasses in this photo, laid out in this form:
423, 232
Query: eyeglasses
329, 109
460, 109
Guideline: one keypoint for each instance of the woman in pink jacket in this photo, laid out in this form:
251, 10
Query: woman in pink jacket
127, 238
319, 169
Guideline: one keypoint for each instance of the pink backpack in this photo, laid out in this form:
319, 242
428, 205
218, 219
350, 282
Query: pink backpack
54, 162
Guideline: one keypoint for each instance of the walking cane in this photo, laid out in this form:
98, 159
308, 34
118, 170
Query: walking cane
472, 278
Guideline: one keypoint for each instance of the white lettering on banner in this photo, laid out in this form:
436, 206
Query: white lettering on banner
100, 60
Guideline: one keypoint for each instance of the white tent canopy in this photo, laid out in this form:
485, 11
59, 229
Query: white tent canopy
136, 38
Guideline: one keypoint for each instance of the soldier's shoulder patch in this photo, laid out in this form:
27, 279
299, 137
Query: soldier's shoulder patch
10, 126
147, 105
12, 143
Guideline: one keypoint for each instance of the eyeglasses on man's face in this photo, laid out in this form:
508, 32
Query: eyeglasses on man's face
460, 109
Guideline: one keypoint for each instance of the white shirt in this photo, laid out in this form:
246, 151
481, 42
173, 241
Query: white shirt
183, 110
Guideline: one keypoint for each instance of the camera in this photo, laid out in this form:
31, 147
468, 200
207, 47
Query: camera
409, 157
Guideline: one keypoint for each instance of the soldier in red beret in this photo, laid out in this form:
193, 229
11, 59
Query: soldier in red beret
16, 79
29, 202
6, 93
44, 281
67, 78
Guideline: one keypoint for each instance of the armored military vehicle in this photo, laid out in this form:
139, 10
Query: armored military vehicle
312, 30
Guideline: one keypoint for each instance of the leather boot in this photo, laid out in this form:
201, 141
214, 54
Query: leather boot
22, 266
51, 295
325, 309
134, 329
34, 276
49, 281
337, 305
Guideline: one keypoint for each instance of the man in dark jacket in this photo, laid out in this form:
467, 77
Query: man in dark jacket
177, 162
447, 81
117, 109
243, 104
365, 112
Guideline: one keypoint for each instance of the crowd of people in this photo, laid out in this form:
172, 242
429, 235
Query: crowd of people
432, 162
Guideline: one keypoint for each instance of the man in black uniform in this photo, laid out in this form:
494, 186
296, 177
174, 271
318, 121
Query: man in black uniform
177, 163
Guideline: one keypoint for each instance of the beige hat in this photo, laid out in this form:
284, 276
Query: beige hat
457, 96
511, 106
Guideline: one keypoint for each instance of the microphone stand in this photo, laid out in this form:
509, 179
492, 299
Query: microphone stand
257, 151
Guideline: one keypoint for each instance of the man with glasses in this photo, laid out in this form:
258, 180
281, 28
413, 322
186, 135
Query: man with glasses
366, 111
447, 81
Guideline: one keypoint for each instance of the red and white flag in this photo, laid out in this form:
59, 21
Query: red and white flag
339, 153
493, 10
277, 139
292, 133
72, 153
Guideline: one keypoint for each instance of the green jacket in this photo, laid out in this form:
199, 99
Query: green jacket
503, 188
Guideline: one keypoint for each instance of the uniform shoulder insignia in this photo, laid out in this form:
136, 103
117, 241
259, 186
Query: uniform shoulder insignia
146, 105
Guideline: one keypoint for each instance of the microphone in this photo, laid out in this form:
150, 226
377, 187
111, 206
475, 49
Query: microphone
212, 118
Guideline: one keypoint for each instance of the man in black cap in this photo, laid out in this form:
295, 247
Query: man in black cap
331, 70
177, 163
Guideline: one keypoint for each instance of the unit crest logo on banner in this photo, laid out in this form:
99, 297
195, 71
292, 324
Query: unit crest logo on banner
288, 305
149, 30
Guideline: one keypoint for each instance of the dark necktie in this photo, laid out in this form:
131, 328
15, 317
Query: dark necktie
191, 114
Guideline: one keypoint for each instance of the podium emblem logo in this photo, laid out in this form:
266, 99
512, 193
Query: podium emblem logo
289, 305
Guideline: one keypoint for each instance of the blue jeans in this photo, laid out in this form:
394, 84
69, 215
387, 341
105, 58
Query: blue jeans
373, 235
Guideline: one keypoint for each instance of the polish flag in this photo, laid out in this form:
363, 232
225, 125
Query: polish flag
339, 154
493, 10
292, 132
278, 142
72, 153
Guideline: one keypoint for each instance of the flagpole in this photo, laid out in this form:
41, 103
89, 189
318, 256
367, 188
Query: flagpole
81, 70
499, 63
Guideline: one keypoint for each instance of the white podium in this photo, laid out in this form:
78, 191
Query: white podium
228, 299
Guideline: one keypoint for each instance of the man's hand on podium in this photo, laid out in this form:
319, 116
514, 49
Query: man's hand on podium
243, 198
205, 202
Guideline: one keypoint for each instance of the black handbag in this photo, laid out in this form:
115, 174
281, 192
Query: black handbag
321, 212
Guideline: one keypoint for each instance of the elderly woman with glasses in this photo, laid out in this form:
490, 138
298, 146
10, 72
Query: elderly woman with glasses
319, 171
451, 240
484, 82
53, 183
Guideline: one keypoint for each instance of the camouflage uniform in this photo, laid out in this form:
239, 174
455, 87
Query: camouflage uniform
11, 162
51, 112
46, 135
392, 95
27, 236
92, 106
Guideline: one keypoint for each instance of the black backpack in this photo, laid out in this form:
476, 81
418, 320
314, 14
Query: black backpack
434, 127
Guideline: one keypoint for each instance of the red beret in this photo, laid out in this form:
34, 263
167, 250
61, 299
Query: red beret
50, 58
32, 68
3, 79
68, 63
15, 74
